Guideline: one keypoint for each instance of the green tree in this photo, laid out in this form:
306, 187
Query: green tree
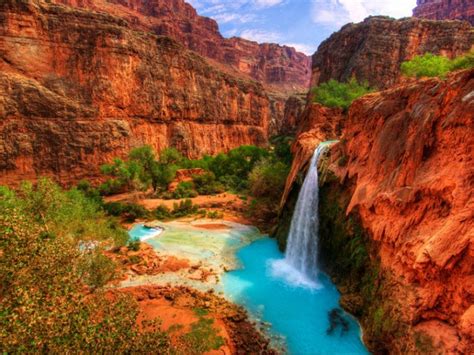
337, 94
52, 273
427, 65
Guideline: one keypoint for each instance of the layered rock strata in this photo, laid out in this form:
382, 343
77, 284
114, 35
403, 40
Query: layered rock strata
280, 67
445, 10
373, 50
403, 177
78, 88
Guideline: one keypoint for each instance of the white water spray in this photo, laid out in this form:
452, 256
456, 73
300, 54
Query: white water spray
302, 246
300, 265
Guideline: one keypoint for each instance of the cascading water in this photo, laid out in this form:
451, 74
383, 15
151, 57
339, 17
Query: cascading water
302, 246
300, 265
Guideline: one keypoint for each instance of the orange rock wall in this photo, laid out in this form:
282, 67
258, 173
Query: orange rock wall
374, 49
280, 67
78, 88
409, 159
410, 152
445, 10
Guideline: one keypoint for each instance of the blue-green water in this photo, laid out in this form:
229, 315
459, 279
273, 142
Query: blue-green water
296, 308
142, 233
299, 313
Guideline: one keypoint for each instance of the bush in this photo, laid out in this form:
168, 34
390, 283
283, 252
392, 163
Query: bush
162, 212
112, 187
134, 244
184, 189
336, 94
427, 65
129, 211
463, 62
43, 274
215, 215
206, 184
267, 183
430, 65
184, 208
203, 337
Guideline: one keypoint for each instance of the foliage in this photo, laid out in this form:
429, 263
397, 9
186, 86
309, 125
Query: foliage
184, 189
207, 184
184, 208
202, 337
282, 148
266, 183
44, 271
463, 62
337, 94
134, 244
126, 176
215, 215
129, 211
162, 212
430, 65
427, 65
89, 191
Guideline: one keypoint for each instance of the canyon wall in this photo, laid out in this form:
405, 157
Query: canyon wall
445, 10
374, 49
281, 68
404, 170
78, 88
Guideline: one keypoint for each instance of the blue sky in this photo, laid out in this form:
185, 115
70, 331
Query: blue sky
302, 24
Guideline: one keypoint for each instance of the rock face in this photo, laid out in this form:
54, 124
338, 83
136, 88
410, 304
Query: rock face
79, 87
445, 10
373, 50
280, 67
406, 163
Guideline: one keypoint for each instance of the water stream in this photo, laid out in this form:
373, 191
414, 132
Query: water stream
285, 292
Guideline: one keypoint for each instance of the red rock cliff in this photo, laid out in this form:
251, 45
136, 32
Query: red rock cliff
373, 50
280, 67
445, 10
79, 87
409, 161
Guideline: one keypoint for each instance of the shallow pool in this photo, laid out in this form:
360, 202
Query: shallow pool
296, 311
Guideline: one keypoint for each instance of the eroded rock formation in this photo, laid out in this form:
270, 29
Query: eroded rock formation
405, 169
373, 50
79, 87
280, 67
445, 10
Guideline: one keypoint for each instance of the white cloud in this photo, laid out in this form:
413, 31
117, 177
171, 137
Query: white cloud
260, 35
267, 3
339, 12
303, 47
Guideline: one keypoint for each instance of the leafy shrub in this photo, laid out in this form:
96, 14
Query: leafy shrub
203, 337
129, 211
427, 65
43, 272
337, 94
134, 244
206, 184
162, 212
184, 208
215, 215
97, 270
89, 191
463, 62
112, 187
184, 189
430, 65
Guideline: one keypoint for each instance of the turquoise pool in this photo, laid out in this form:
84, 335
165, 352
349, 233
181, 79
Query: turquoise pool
297, 311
